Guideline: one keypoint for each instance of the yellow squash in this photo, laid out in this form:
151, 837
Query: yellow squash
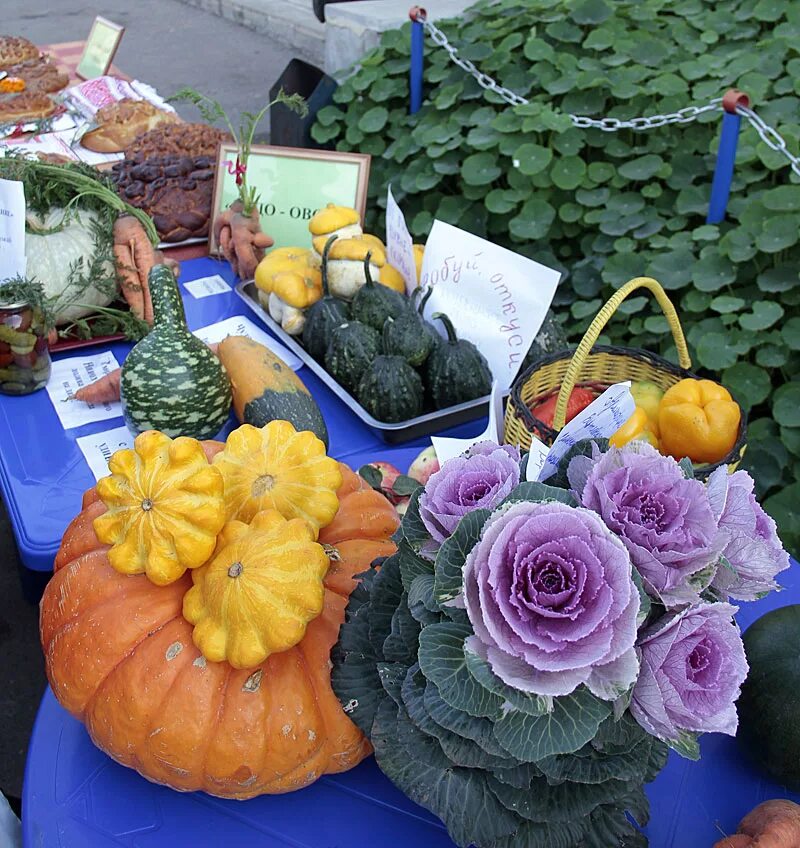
276, 467
259, 592
164, 506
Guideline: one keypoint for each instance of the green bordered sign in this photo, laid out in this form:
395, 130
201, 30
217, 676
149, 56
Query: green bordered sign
98, 54
293, 183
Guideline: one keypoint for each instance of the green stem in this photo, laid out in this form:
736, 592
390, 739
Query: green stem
167, 303
324, 270
369, 281
452, 338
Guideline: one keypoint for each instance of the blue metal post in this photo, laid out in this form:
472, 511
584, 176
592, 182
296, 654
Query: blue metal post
726, 156
417, 15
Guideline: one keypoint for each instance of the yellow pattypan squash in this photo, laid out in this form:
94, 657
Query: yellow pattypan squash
392, 278
259, 592
165, 507
275, 467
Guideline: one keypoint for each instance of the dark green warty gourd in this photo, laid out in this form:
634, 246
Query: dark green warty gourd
170, 380
373, 303
352, 349
390, 389
410, 335
456, 371
325, 315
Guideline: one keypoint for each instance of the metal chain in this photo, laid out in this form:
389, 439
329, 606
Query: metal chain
768, 135
771, 137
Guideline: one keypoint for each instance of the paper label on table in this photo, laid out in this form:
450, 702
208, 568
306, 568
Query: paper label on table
399, 246
206, 286
12, 230
239, 325
537, 456
447, 448
600, 420
495, 298
99, 448
69, 375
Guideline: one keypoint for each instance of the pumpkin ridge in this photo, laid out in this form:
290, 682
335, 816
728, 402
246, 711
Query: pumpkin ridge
312, 682
223, 694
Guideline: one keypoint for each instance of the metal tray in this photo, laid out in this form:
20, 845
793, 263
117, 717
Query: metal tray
404, 431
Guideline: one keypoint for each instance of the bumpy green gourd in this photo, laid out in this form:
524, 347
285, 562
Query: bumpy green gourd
373, 303
325, 315
390, 389
410, 335
352, 349
456, 371
170, 380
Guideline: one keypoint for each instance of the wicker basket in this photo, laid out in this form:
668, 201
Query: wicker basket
598, 367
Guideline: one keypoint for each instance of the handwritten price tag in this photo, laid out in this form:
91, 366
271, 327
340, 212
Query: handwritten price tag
399, 246
495, 298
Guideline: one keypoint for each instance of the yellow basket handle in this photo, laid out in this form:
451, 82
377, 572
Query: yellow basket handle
596, 327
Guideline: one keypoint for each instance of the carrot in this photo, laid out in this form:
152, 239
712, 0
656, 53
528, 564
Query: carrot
104, 390
773, 824
241, 240
129, 279
107, 388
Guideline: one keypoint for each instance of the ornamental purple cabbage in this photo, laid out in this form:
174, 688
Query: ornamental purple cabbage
693, 665
549, 593
664, 519
479, 478
752, 547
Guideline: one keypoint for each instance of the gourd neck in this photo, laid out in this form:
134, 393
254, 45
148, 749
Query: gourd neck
367, 273
424, 300
324, 269
452, 338
167, 303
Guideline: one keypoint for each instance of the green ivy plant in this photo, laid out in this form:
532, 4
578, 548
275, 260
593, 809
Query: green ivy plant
605, 207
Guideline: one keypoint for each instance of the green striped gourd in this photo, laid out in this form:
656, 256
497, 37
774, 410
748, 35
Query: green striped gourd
170, 380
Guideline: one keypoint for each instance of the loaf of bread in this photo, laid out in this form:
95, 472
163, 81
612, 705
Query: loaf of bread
14, 49
39, 76
175, 191
121, 122
177, 140
28, 106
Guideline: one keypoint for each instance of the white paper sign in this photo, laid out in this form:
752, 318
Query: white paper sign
600, 420
12, 230
206, 286
495, 298
399, 245
239, 325
99, 447
69, 375
446, 448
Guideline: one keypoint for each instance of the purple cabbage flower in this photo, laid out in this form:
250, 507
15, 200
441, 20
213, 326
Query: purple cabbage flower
664, 520
549, 593
693, 665
752, 547
480, 478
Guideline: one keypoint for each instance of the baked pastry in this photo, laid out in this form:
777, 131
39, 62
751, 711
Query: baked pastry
176, 192
14, 49
178, 140
28, 106
39, 76
121, 122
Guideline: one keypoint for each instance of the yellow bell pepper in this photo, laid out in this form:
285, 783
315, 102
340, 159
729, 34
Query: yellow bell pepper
698, 419
648, 396
638, 427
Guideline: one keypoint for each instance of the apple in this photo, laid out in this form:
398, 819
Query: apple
424, 465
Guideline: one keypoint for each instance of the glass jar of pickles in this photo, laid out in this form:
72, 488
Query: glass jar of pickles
24, 354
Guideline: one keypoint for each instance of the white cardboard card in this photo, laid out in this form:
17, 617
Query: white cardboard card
495, 298
206, 286
399, 245
69, 375
12, 230
99, 448
447, 448
600, 420
239, 325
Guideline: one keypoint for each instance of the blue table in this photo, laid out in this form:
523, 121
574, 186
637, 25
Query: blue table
43, 473
74, 795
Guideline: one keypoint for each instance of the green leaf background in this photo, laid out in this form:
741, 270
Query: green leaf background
606, 207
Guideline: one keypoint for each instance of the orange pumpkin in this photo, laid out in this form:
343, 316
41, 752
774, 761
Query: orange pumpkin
120, 657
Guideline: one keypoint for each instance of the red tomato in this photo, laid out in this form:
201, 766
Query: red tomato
578, 401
